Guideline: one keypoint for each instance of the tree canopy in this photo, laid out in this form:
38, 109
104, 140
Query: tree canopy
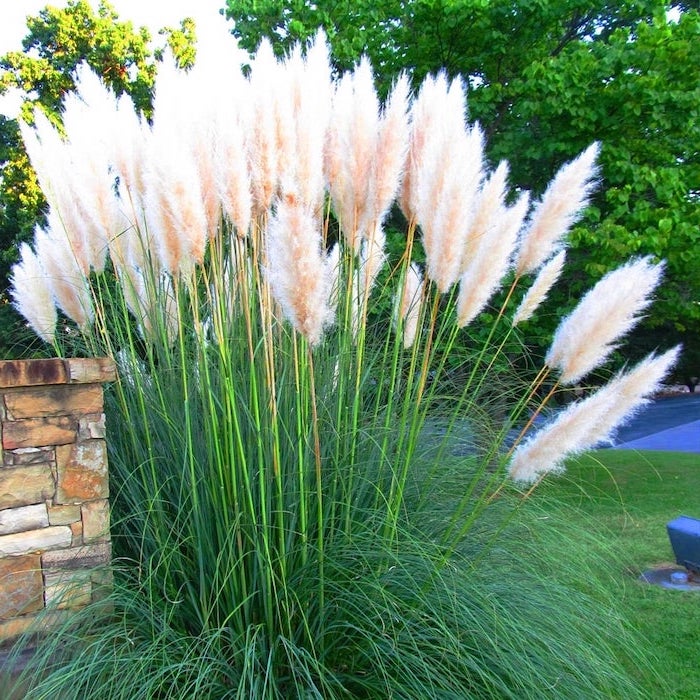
546, 79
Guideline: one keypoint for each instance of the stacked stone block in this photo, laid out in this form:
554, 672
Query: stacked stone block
54, 507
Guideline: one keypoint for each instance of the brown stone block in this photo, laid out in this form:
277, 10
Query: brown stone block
93, 370
64, 515
85, 557
32, 517
32, 372
91, 427
41, 622
23, 486
77, 534
59, 400
67, 589
95, 516
39, 432
21, 586
32, 541
82, 472
28, 455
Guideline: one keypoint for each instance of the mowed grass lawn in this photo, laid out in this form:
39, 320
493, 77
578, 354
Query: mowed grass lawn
627, 497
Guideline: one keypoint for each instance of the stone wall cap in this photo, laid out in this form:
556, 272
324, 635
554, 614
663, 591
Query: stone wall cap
43, 372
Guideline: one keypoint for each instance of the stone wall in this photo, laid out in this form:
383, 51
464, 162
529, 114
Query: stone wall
54, 507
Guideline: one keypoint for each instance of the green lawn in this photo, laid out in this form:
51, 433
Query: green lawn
628, 497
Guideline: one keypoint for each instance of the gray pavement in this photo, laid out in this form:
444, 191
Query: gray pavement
667, 424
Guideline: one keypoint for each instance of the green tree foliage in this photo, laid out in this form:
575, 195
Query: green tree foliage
547, 79
58, 40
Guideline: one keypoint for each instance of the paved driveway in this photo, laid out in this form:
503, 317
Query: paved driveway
666, 424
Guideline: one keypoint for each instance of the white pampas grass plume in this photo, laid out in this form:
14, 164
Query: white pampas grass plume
390, 160
586, 337
446, 205
558, 210
365, 152
409, 302
232, 124
351, 150
263, 145
587, 423
176, 216
436, 103
484, 272
304, 122
31, 294
489, 204
444, 176
546, 278
46, 151
52, 161
337, 166
64, 276
299, 272
129, 157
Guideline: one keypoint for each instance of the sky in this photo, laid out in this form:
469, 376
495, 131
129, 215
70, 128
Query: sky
153, 14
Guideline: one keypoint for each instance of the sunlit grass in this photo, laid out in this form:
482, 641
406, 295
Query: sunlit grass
627, 497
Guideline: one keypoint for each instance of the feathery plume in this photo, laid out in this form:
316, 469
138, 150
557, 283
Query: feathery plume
484, 272
183, 112
557, 211
432, 105
311, 93
390, 160
445, 172
129, 157
177, 217
31, 294
351, 151
46, 151
589, 334
90, 120
446, 222
336, 162
589, 422
232, 123
64, 276
263, 151
546, 278
299, 273
363, 167
52, 161
489, 204
409, 302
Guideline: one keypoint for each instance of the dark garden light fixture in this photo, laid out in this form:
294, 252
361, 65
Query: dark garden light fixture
684, 533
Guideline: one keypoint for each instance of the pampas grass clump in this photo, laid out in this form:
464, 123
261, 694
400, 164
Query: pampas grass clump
286, 522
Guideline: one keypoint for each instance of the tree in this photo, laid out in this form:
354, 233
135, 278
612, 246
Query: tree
58, 40
547, 79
